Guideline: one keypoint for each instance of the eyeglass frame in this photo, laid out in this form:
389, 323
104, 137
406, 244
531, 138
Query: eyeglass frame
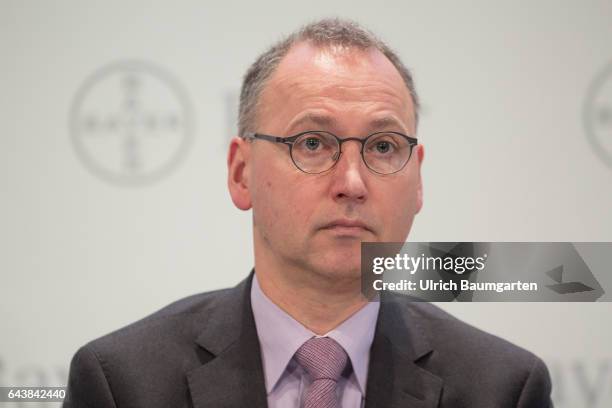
290, 140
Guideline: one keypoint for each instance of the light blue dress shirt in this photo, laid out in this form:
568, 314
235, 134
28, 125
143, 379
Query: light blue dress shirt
280, 335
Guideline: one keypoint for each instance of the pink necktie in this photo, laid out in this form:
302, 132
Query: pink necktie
324, 359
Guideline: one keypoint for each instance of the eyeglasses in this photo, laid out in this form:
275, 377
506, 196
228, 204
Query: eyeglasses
317, 151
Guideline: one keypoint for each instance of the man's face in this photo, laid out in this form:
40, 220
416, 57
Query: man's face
316, 222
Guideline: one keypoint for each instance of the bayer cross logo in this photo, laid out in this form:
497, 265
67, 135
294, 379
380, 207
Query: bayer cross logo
131, 123
598, 114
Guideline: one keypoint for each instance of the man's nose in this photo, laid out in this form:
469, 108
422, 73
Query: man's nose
349, 174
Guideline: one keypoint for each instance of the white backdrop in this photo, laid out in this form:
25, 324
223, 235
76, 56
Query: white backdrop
102, 218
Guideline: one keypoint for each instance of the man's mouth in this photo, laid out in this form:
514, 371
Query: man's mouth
347, 227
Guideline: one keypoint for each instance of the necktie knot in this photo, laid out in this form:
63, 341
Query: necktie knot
322, 358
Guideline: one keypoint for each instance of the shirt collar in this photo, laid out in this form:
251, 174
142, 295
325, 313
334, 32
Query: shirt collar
355, 335
280, 336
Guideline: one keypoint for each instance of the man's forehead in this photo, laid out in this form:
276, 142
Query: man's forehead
308, 70
325, 121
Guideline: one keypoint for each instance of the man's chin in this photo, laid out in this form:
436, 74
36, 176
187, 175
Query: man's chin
335, 258
341, 266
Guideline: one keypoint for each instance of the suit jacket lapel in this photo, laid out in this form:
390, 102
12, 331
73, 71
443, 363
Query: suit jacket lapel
395, 378
232, 373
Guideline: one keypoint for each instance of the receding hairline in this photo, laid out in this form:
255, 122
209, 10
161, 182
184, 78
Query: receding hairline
326, 33
346, 54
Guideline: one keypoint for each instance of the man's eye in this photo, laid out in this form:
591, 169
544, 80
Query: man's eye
312, 143
383, 147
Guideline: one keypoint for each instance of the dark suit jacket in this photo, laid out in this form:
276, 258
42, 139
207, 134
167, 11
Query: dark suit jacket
203, 351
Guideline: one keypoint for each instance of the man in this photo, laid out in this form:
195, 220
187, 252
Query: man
326, 158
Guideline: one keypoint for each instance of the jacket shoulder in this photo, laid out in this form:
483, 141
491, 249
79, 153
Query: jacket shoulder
457, 341
176, 320
152, 353
476, 363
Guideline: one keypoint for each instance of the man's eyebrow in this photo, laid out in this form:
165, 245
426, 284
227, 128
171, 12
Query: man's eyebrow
386, 122
315, 119
324, 122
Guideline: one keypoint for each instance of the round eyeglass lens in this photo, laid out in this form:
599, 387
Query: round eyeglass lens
315, 152
386, 153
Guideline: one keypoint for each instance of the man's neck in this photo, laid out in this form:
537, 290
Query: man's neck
319, 305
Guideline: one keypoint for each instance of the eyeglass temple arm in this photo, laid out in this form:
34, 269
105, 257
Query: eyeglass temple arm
252, 135
275, 139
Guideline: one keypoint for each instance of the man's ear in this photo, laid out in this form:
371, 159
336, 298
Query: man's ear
420, 154
238, 173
